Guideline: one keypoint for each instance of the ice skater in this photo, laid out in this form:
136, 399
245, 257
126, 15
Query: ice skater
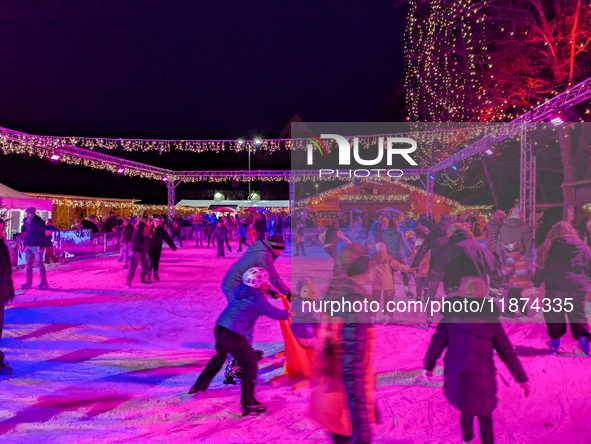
564, 264
421, 272
469, 376
261, 254
157, 235
382, 266
140, 247
242, 234
330, 241
220, 234
300, 240
126, 230
249, 303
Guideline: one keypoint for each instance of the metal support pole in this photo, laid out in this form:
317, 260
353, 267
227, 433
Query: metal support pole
430, 197
249, 179
291, 194
527, 180
171, 185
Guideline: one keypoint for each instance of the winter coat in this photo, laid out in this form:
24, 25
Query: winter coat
126, 233
469, 377
88, 225
220, 234
493, 235
464, 257
347, 350
300, 235
242, 231
260, 254
436, 238
567, 268
35, 232
304, 323
210, 229
395, 243
110, 223
382, 265
423, 269
139, 242
197, 225
48, 242
175, 231
516, 271
515, 230
6, 284
246, 307
161, 235
378, 233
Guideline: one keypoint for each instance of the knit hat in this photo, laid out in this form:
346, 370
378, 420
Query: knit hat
276, 241
30, 210
499, 214
446, 217
515, 212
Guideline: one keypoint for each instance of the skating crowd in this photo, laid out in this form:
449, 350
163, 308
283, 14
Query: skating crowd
341, 346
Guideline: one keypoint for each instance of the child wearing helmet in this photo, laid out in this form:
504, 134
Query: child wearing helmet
250, 302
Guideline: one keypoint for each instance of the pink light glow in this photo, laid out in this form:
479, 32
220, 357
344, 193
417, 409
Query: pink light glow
120, 170
164, 179
556, 120
55, 157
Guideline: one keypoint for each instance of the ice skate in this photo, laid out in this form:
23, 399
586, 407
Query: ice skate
554, 345
128, 283
229, 381
5, 370
584, 345
256, 408
126, 266
408, 293
43, 286
195, 389
156, 278
26, 286
146, 281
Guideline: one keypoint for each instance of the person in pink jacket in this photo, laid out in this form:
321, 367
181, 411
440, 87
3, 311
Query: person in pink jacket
382, 266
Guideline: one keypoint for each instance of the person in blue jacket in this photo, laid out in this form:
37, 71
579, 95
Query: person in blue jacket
242, 234
249, 303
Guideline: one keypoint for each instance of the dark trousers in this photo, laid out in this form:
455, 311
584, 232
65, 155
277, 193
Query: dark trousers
514, 295
242, 241
340, 439
332, 251
556, 320
50, 255
422, 283
298, 246
210, 239
136, 258
154, 255
486, 429
229, 342
221, 248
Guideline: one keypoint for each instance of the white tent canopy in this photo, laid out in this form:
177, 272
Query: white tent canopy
15, 200
238, 203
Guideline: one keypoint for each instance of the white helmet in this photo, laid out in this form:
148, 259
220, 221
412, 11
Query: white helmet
255, 277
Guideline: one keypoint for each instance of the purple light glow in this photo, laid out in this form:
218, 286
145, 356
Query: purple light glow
55, 157
120, 170
556, 120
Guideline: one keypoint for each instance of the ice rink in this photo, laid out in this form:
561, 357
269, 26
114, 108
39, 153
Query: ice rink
97, 362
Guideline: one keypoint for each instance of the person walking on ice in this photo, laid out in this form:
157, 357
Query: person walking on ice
157, 235
249, 303
564, 264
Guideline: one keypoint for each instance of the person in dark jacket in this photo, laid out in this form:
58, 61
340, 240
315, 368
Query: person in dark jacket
210, 227
157, 235
140, 246
175, 232
34, 244
242, 234
564, 264
331, 239
220, 234
396, 246
49, 254
436, 238
469, 375
494, 227
6, 289
90, 223
197, 228
125, 239
110, 223
239, 317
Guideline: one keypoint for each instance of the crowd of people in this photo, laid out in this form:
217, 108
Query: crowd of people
500, 261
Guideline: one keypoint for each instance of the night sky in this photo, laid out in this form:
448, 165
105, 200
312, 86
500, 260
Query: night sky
188, 70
